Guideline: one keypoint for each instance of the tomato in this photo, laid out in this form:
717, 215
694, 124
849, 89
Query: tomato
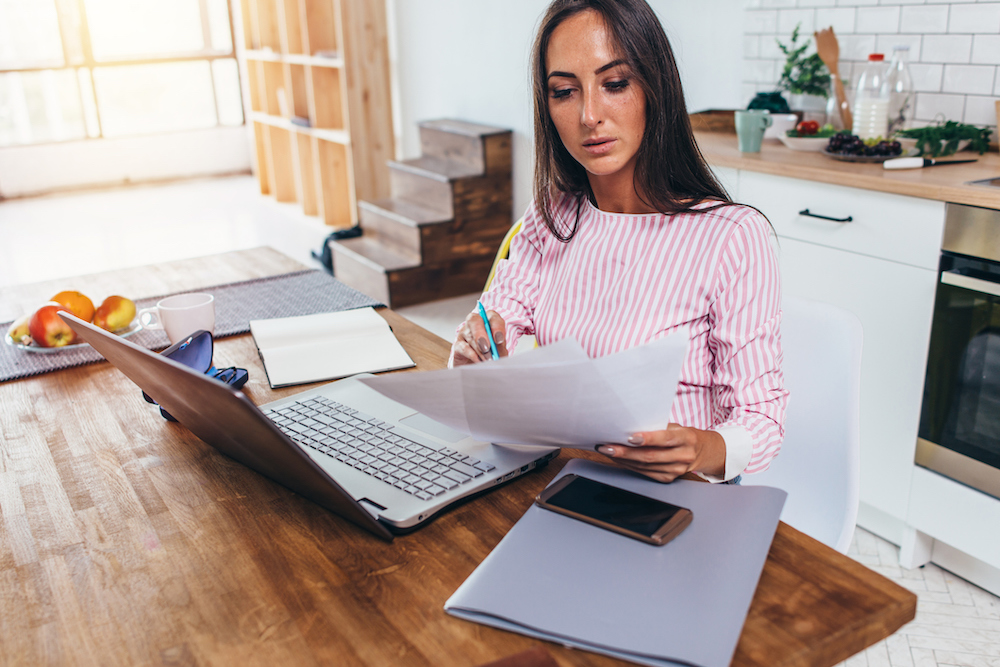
807, 127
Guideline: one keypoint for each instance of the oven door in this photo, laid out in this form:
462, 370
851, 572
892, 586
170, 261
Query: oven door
959, 434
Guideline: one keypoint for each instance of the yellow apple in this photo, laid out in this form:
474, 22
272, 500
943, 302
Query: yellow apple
18, 330
115, 313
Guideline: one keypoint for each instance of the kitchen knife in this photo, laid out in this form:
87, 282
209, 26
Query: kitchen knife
917, 162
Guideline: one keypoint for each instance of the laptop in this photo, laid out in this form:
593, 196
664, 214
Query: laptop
343, 445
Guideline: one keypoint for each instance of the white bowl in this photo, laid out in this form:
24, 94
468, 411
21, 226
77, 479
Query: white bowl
781, 123
815, 144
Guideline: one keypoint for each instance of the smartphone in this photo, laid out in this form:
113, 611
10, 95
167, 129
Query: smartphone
633, 515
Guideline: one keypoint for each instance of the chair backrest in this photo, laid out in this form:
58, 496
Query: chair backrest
502, 251
819, 460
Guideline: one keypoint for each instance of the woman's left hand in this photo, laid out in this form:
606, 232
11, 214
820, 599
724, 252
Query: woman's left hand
668, 454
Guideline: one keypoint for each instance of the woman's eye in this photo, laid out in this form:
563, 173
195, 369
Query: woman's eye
561, 93
617, 86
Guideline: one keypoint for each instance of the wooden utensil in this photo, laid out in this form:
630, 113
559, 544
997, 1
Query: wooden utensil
829, 52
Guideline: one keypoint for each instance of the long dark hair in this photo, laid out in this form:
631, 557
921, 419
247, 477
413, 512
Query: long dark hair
671, 175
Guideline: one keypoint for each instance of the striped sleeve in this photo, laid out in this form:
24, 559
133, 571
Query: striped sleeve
514, 291
745, 314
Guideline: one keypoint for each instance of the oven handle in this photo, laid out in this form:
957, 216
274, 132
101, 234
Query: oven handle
970, 283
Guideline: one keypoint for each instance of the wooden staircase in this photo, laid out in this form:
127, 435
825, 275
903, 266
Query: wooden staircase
437, 235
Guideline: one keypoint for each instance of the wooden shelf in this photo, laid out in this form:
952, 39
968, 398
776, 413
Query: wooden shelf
325, 61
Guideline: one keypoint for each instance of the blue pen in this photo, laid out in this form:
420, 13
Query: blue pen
489, 331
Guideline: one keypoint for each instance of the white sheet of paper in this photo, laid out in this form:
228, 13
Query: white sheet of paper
554, 396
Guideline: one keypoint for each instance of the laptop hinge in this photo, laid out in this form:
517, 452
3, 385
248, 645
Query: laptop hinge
371, 507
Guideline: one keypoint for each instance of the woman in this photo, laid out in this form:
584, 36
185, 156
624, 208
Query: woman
630, 237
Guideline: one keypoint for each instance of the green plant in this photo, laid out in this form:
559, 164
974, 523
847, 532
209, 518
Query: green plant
935, 140
802, 74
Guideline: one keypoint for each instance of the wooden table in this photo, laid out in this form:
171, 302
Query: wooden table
125, 540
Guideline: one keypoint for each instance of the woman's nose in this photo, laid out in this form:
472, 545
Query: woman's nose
590, 114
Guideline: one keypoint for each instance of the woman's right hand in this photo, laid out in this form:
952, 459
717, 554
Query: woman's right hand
472, 345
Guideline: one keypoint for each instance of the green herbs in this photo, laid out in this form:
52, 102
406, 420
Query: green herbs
803, 75
936, 140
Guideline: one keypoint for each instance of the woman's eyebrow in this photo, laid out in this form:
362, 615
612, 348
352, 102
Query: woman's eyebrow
603, 68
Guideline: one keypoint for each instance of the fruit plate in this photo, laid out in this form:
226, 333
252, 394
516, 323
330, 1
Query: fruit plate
133, 328
873, 159
805, 143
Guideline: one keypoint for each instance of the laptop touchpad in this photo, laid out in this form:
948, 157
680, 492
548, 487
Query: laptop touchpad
427, 425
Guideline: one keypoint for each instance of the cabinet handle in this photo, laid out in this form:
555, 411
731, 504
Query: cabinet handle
805, 211
970, 283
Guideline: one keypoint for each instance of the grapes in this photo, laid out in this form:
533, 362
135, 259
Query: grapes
846, 143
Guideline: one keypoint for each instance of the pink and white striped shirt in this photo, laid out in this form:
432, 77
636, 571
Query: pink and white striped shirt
624, 280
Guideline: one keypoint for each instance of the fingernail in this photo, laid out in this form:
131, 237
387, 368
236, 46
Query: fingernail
498, 337
484, 345
635, 439
604, 449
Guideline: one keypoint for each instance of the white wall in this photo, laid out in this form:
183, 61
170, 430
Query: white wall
468, 59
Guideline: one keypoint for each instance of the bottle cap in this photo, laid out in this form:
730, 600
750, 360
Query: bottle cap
876, 56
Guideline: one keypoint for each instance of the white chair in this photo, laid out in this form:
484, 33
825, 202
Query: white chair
819, 460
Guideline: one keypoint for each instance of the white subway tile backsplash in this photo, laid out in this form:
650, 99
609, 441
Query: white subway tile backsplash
885, 44
980, 110
968, 79
926, 78
986, 49
954, 47
924, 19
761, 21
769, 47
978, 18
789, 18
933, 107
946, 49
856, 47
877, 19
841, 19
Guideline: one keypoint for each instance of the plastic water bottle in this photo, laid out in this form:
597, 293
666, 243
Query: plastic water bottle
901, 96
871, 100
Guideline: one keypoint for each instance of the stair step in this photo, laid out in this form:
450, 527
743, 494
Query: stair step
383, 222
463, 127
404, 212
374, 254
406, 286
436, 168
414, 187
481, 148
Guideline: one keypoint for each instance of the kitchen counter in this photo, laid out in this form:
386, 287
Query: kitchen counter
941, 183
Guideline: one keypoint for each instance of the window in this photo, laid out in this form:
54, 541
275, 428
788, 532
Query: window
77, 69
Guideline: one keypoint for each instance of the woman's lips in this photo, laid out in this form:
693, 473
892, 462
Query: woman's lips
599, 146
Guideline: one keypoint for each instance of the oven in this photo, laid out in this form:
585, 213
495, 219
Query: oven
959, 433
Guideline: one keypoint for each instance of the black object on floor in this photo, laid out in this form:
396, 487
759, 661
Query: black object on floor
324, 256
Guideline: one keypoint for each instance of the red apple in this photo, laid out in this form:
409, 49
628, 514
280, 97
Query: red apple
78, 304
48, 329
114, 313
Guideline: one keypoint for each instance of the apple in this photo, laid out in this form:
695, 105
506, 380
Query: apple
77, 303
114, 313
47, 329
18, 330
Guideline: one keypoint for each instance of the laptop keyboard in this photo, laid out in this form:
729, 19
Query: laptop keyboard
374, 447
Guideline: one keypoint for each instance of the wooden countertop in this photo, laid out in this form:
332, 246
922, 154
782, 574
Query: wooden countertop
942, 183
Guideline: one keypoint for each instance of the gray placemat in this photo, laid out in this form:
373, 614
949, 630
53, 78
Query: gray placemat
300, 293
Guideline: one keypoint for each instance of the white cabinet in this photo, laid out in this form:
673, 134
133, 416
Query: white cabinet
882, 265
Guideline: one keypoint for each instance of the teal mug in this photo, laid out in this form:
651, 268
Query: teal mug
750, 126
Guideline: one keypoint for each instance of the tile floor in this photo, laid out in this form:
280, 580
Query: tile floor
55, 236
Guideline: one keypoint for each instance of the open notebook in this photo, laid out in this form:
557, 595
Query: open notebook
326, 346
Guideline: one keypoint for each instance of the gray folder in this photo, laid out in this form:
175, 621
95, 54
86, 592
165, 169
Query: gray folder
556, 578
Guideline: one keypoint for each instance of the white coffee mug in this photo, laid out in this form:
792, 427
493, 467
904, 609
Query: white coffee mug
180, 315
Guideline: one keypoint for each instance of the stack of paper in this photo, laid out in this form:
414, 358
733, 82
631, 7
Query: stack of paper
554, 395
683, 603
326, 346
